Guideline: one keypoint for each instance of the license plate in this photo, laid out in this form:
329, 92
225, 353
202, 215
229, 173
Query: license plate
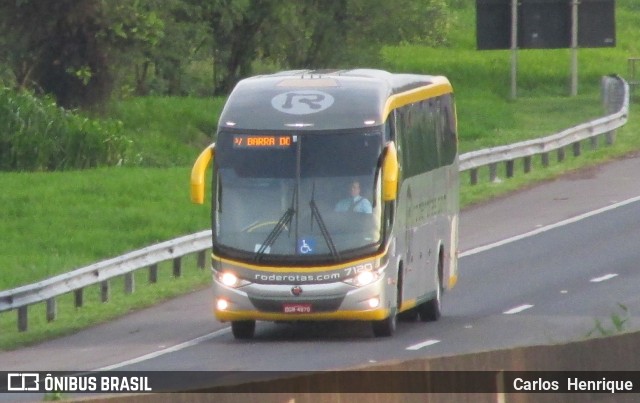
296, 308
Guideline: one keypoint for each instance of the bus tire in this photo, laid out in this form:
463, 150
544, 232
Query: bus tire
431, 310
243, 329
385, 327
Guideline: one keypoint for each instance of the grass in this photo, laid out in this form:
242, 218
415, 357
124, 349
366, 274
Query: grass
54, 222
51, 223
167, 131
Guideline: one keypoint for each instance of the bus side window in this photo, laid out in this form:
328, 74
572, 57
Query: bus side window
449, 129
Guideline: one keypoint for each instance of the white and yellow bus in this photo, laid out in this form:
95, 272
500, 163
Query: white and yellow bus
334, 196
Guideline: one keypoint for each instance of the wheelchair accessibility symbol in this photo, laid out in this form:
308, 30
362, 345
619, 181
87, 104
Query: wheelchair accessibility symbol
306, 246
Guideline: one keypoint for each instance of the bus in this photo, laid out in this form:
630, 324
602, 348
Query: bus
334, 197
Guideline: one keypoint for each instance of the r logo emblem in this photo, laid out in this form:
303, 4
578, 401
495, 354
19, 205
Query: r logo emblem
302, 102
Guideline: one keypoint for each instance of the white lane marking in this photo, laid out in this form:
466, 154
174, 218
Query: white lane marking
518, 309
548, 227
603, 278
158, 353
425, 343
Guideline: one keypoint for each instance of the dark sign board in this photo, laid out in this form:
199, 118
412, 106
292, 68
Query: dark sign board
596, 24
545, 24
493, 24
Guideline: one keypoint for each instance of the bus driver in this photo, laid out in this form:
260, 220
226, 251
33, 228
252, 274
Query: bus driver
355, 202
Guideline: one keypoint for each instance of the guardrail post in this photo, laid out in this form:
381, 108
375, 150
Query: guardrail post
545, 159
493, 172
594, 142
129, 283
52, 309
473, 176
105, 291
23, 318
177, 267
561, 154
526, 164
509, 167
153, 273
202, 257
576, 149
78, 296
610, 137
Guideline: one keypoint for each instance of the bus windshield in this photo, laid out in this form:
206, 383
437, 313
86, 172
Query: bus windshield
297, 196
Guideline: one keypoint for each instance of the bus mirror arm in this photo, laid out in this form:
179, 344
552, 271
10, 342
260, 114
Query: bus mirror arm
198, 173
390, 173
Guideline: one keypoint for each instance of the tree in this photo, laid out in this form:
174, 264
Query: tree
65, 47
236, 26
75, 48
347, 33
317, 33
188, 39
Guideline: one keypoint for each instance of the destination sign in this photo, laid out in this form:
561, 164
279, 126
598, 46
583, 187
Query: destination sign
262, 142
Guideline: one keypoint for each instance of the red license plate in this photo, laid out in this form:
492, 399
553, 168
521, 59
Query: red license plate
296, 308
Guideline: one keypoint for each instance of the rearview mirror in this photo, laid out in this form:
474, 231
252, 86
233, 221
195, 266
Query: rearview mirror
390, 170
198, 174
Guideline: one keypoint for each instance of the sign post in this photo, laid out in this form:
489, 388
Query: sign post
545, 24
574, 48
514, 48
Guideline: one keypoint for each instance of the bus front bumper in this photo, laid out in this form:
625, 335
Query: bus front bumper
314, 302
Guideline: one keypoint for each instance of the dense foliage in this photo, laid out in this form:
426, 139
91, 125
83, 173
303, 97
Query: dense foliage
68, 48
39, 135
83, 52
80, 51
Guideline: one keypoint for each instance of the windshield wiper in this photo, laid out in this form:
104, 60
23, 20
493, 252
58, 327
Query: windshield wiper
282, 223
315, 213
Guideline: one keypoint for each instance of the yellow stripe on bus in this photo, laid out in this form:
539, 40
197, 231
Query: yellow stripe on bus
226, 316
440, 86
272, 269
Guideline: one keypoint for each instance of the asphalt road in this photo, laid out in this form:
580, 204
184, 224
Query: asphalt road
539, 266
546, 288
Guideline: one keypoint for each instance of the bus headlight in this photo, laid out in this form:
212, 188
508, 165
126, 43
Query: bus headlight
363, 278
222, 304
229, 279
374, 302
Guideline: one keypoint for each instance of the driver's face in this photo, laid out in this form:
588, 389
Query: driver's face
355, 189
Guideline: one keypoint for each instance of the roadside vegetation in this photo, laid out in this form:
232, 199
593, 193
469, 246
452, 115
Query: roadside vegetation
52, 222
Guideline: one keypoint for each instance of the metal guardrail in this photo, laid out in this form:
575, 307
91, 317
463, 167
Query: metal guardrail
615, 97
615, 94
100, 273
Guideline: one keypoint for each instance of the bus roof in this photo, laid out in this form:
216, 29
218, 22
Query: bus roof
324, 99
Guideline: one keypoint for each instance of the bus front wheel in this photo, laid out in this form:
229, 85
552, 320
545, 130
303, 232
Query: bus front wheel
243, 329
385, 327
